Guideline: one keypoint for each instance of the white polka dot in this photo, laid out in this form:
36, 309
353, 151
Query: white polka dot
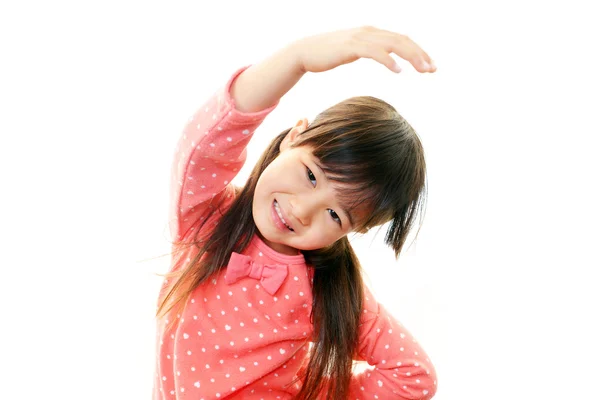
242, 369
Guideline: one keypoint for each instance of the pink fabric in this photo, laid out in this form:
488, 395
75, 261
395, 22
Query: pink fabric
239, 338
271, 276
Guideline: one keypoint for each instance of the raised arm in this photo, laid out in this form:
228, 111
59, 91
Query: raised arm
210, 153
263, 84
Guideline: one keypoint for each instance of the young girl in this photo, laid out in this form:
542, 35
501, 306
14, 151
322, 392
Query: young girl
265, 298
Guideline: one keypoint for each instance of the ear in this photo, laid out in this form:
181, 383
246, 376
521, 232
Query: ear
292, 135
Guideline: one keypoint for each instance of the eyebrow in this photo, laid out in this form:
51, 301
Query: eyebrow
348, 215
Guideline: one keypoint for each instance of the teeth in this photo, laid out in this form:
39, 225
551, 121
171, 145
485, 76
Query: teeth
279, 213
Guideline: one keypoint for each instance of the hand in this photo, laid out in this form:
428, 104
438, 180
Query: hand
329, 50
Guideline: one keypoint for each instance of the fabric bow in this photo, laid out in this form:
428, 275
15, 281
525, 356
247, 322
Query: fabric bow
271, 276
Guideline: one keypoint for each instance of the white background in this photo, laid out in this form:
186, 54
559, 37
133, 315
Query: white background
500, 285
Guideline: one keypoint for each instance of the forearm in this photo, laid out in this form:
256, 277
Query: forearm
263, 84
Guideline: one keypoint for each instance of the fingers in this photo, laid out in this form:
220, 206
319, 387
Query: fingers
378, 54
388, 42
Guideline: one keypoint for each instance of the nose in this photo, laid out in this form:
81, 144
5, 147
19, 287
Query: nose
303, 208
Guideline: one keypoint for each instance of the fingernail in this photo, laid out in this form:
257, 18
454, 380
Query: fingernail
396, 67
426, 65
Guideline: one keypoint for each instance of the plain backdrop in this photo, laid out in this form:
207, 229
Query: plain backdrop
500, 286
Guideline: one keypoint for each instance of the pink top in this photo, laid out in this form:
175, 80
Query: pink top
236, 340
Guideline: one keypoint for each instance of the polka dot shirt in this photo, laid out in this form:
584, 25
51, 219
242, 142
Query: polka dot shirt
236, 340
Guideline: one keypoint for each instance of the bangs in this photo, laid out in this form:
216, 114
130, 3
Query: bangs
358, 190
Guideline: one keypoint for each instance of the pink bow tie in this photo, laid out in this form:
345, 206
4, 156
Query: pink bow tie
271, 276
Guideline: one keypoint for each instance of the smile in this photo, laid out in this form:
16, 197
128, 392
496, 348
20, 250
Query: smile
278, 210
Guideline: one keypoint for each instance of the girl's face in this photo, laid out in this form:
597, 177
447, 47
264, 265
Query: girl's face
294, 186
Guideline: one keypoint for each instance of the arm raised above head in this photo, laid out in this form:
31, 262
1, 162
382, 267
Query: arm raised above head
263, 84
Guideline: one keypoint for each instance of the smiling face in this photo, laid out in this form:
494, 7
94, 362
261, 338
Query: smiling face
294, 186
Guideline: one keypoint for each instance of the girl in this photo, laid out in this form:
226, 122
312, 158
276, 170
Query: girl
265, 298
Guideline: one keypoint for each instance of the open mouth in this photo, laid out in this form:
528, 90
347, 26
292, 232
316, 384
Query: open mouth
276, 205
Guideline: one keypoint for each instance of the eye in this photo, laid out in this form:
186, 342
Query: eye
333, 214
311, 176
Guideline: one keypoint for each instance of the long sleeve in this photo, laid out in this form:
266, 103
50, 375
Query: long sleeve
402, 368
209, 154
